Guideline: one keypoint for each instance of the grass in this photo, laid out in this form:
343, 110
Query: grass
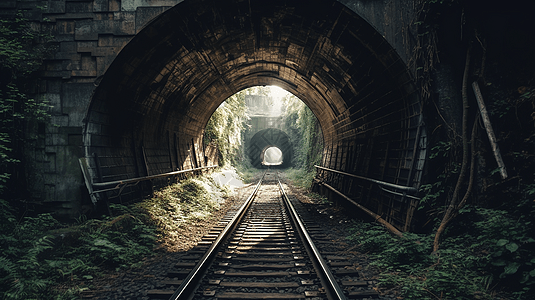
43, 258
300, 177
480, 258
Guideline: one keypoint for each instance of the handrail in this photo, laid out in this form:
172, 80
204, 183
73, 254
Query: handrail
376, 217
409, 189
100, 187
138, 179
334, 291
187, 286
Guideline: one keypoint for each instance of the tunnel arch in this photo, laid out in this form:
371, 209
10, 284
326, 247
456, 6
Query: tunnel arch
264, 139
148, 113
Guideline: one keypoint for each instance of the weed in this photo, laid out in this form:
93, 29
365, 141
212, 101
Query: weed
484, 252
40, 252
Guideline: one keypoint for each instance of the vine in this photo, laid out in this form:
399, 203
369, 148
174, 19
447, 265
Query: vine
22, 51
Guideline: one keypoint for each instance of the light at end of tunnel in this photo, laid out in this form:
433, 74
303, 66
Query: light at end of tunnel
272, 157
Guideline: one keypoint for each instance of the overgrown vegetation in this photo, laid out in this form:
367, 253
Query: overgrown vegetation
22, 50
484, 238
224, 129
305, 133
227, 126
39, 253
495, 261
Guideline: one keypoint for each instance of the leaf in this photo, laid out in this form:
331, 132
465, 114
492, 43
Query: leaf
511, 268
532, 273
101, 242
512, 247
502, 242
499, 263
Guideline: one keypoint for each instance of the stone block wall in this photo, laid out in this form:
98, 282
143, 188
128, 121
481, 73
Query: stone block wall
87, 35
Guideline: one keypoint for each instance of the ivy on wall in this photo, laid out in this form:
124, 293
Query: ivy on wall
303, 128
23, 47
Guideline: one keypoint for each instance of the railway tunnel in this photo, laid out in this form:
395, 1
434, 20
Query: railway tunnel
149, 111
266, 139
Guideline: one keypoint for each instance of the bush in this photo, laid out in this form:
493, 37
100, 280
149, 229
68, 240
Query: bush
465, 267
39, 252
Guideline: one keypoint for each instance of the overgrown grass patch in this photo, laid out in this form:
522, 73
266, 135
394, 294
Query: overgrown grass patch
246, 171
40, 253
178, 205
484, 255
300, 177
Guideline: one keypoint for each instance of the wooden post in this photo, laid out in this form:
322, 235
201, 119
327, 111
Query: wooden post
488, 128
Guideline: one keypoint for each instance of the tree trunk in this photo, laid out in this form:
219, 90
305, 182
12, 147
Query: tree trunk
454, 199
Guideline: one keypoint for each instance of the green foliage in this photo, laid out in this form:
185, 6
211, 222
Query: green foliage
407, 264
509, 241
300, 177
303, 128
177, 205
22, 50
225, 128
484, 252
39, 252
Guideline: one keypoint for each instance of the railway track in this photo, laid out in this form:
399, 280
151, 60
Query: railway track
264, 249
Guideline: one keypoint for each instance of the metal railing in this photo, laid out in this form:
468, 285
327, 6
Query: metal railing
101, 187
405, 189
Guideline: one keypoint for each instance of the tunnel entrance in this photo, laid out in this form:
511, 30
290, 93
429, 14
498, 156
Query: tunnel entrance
266, 139
272, 157
148, 113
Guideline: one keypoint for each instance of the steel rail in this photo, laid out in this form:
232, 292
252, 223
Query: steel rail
334, 291
189, 284
409, 189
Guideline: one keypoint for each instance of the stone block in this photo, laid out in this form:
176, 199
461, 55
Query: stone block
103, 63
83, 73
86, 46
85, 30
67, 47
100, 5
62, 120
105, 40
56, 139
50, 192
56, 6
49, 165
54, 102
67, 56
114, 5
64, 27
104, 51
72, 16
76, 97
79, 6
64, 38
8, 4
145, 14
56, 74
